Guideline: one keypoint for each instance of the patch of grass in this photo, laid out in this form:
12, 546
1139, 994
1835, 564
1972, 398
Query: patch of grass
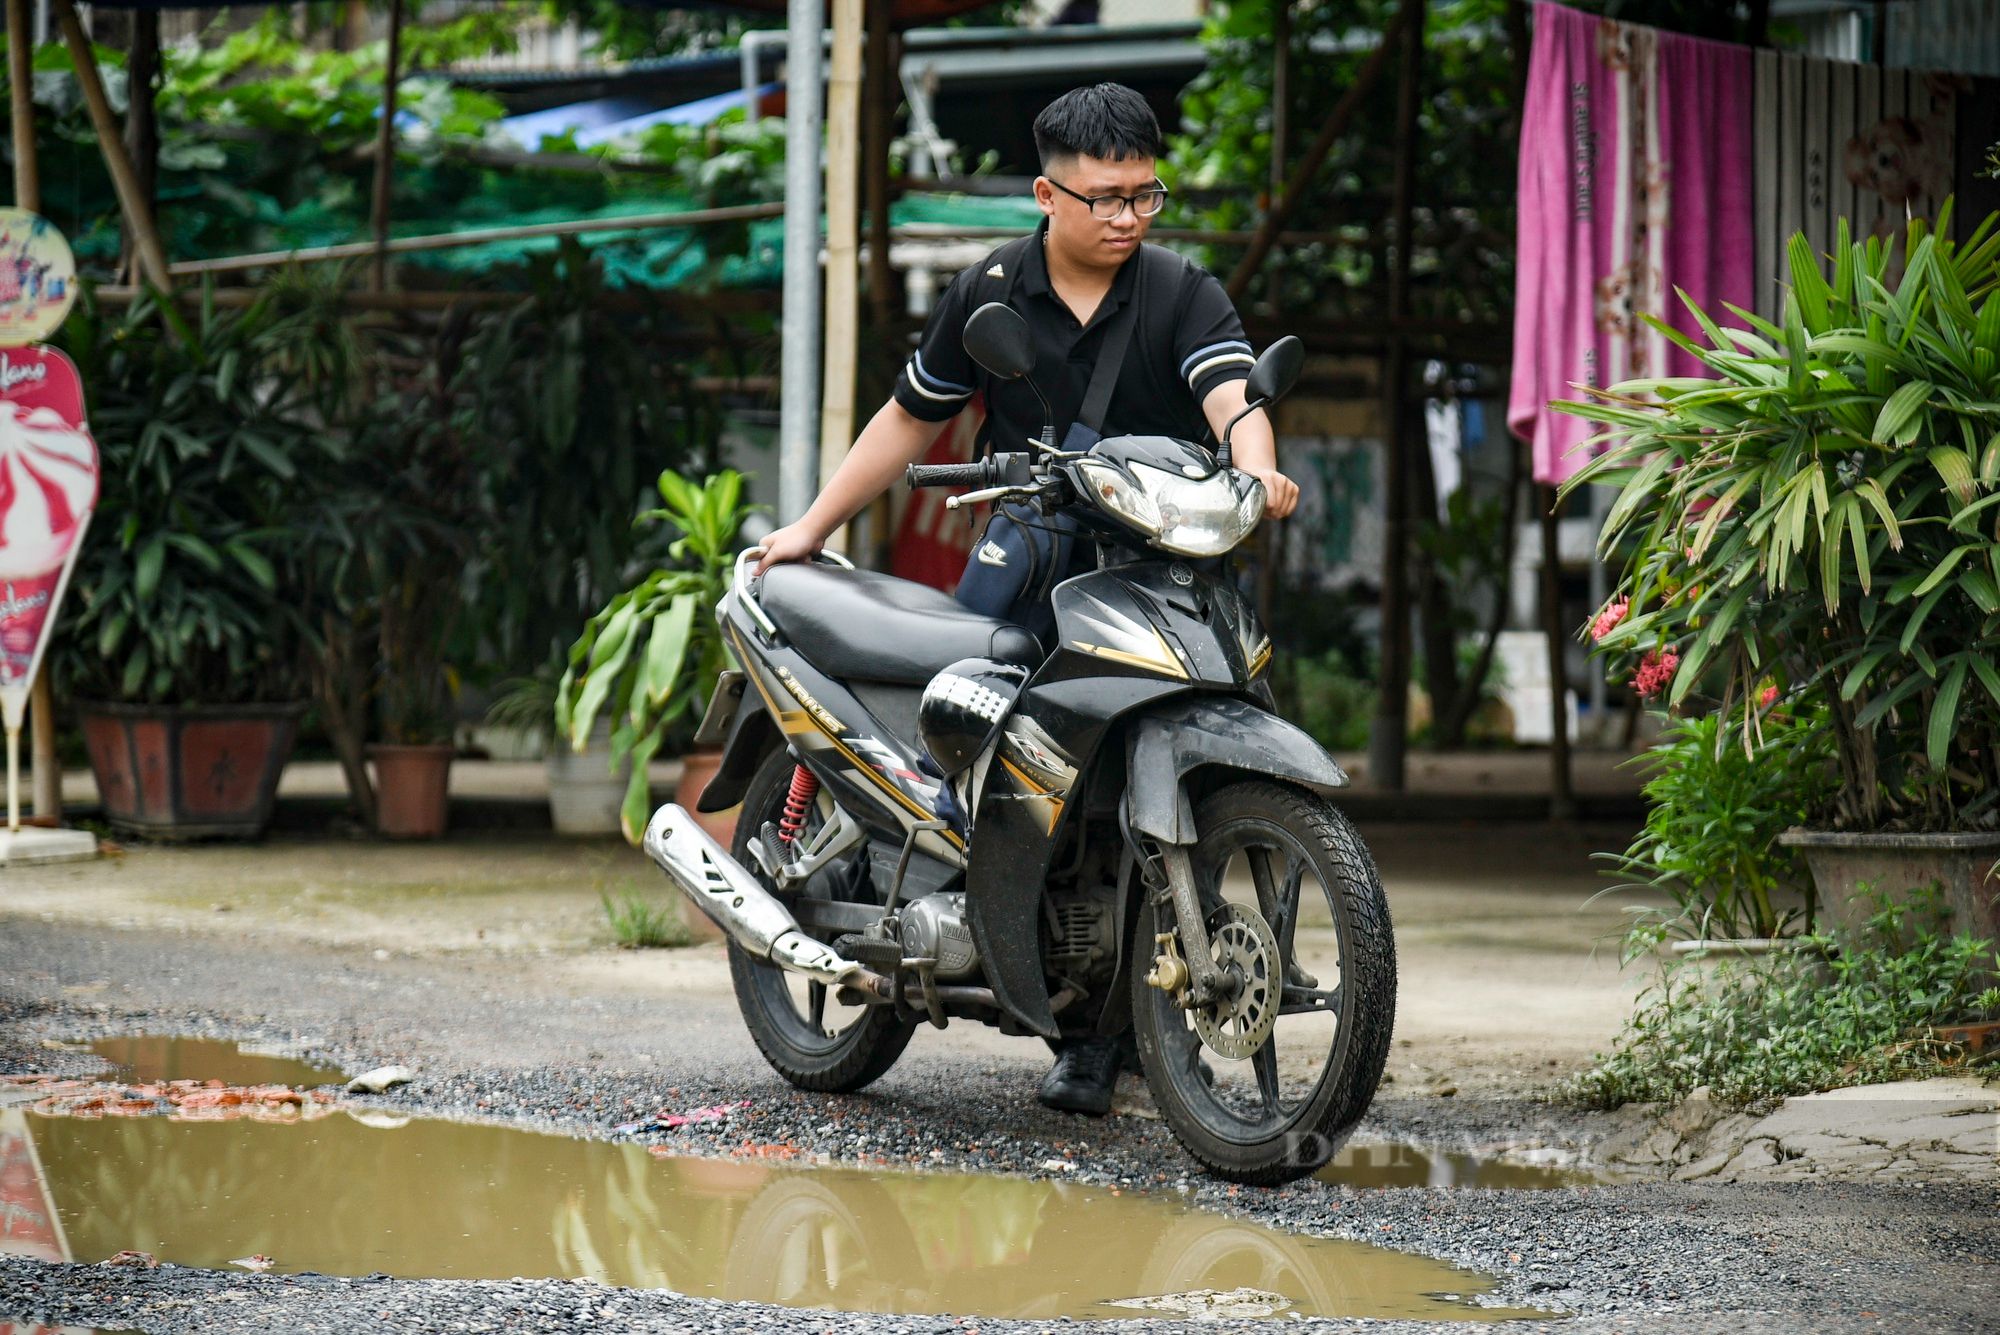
637, 923
1848, 1008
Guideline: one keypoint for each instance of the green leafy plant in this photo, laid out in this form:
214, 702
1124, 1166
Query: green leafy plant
637, 923
527, 704
1852, 1008
205, 434
652, 656
1818, 517
574, 415
1714, 816
1330, 701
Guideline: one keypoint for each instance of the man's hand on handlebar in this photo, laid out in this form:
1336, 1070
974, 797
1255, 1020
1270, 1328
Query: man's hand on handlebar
1281, 494
793, 542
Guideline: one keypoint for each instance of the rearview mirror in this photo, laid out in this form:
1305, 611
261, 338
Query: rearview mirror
1275, 372
997, 338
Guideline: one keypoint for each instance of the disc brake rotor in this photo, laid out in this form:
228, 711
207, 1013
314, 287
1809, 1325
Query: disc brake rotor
1242, 943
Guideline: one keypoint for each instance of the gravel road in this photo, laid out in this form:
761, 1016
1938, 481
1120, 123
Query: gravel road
508, 1043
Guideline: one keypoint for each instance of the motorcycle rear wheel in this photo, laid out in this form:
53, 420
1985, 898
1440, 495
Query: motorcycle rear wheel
1284, 1111
792, 1020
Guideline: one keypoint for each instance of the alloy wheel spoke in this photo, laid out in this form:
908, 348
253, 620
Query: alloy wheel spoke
1265, 1060
816, 1007
1268, 902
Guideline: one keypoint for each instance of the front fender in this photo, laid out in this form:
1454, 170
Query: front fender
1185, 734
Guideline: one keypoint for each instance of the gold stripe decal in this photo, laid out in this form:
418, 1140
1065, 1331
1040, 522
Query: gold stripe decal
1166, 665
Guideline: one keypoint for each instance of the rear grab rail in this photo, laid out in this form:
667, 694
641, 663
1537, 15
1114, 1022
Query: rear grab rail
741, 585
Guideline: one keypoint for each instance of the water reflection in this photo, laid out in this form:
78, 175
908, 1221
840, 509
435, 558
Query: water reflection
152, 1059
441, 1199
1405, 1165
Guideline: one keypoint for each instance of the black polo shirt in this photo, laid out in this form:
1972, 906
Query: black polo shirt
1186, 340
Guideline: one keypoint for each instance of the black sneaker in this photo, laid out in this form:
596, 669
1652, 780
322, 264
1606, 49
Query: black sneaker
1085, 1073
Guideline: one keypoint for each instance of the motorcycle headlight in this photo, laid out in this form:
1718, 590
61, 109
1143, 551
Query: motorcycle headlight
1119, 495
1186, 516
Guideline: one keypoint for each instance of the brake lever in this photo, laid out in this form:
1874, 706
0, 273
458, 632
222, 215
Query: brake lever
1044, 487
976, 497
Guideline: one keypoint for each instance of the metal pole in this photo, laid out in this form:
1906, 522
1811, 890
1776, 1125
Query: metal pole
385, 149
1387, 733
843, 243
798, 425
879, 114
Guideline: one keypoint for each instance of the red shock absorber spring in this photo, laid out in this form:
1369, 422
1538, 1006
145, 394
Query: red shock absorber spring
805, 787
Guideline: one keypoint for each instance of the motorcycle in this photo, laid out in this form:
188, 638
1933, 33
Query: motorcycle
941, 819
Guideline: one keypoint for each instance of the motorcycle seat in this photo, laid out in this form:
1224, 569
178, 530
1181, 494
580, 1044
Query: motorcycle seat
864, 626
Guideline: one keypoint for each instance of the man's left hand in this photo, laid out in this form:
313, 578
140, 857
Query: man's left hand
1281, 494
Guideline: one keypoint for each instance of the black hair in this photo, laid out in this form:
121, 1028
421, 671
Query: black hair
1105, 120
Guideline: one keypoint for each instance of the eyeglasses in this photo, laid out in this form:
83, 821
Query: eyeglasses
1107, 208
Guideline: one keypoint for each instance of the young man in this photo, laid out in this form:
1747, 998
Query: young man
1185, 360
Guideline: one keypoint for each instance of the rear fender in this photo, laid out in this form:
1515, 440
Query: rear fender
1180, 736
752, 736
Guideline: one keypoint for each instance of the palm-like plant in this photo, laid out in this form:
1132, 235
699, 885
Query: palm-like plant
1818, 519
653, 654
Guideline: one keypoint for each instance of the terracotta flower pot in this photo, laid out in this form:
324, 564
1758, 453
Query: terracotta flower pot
196, 772
697, 768
411, 790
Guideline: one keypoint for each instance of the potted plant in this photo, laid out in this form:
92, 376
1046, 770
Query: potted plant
177, 639
1812, 526
650, 659
586, 790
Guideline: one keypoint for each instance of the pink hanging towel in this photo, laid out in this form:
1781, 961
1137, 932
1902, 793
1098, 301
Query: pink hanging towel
1635, 180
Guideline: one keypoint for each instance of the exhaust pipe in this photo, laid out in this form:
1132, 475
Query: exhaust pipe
734, 900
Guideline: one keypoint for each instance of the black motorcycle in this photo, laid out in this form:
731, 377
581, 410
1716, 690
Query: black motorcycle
943, 818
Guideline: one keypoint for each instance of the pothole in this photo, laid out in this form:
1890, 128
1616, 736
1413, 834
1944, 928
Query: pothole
329, 1192
157, 1059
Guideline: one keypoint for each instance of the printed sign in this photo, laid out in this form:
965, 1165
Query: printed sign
932, 543
48, 486
37, 278
29, 1225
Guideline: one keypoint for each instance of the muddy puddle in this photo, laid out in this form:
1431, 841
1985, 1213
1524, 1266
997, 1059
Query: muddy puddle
346, 1196
1405, 1165
152, 1059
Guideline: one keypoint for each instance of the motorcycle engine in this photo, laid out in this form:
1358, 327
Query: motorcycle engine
1079, 931
933, 927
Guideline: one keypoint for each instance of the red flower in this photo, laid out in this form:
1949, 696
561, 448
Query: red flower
1766, 697
1655, 671
1607, 620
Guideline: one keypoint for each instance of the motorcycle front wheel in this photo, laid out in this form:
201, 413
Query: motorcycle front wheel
801, 1028
1283, 1110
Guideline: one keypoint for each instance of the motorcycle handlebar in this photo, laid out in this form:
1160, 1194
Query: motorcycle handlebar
951, 475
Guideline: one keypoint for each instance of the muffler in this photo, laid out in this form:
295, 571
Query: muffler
734, 900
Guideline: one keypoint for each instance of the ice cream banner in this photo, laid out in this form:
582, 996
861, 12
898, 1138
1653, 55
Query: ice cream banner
48, 486
37, 278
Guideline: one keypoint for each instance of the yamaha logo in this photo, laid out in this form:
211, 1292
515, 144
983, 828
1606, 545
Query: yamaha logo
1180, 574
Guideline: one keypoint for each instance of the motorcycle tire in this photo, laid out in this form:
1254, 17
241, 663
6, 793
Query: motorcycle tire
1269, 1138
797, 1044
